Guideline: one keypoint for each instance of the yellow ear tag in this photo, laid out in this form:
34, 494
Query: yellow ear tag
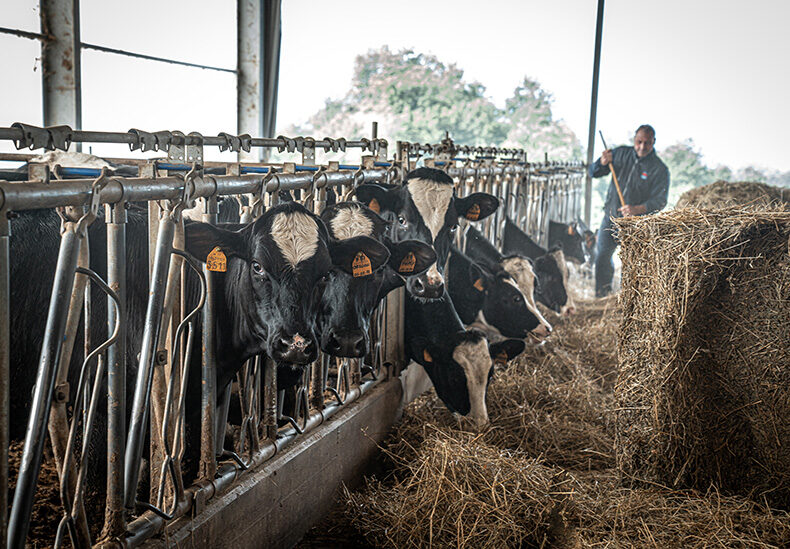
501, 358
478, 285
408, 264
426, 356
570, 230
216, 261
361, 266
374, 205
473, 213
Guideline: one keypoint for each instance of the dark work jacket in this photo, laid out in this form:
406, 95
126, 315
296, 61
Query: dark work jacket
642, 180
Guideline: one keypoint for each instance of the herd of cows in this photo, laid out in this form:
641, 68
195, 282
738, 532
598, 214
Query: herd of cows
296, 282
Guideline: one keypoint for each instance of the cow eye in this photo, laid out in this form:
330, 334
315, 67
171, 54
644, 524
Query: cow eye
516, 298
454, 228
257, 268
402, 221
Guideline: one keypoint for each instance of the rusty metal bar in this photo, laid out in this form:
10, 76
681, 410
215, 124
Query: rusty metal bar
208, 430
5, 370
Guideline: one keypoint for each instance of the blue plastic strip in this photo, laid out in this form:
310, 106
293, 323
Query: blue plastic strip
306, 168
347, 167
382, 164
173, 167
89, 172
254, 169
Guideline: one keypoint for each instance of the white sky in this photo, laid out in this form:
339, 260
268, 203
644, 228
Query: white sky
716, 71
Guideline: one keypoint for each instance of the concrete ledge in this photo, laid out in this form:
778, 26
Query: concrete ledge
276, 505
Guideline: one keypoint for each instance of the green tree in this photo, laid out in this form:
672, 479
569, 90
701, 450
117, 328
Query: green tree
416, 97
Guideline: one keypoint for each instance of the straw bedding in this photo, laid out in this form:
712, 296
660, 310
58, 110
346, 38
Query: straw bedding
543, 475
737, 193
703, 393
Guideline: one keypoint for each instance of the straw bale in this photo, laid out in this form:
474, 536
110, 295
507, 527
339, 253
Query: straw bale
703, 392
736, 193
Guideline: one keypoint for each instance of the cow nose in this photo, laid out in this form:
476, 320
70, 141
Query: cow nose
425, 287
542, 331
296, 349
569, 310
349, 344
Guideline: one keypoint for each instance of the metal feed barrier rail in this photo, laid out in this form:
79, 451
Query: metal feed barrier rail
531, 194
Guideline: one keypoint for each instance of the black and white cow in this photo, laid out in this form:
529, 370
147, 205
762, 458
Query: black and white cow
517, 266
459, 362
349, 299
568, 239
550, 268
425, 208
490, 299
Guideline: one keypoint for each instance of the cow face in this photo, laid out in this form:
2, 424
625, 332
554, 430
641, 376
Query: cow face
550, 281
271, 286
461, 368
425, 208
520, 268
568, 239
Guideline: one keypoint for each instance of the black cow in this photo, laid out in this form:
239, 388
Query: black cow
458, 361
349, 299
490, 300
568, 239
517, 266
550, 268
425, 208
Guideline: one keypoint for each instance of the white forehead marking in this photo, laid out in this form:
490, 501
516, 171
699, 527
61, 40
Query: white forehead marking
351, 222
432, 200
476, 362
296, 234
522, 272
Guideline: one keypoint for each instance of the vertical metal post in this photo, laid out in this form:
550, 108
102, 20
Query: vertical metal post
5, 370
60, 60
116, 372
153, 314
270, 56
19, 520
249, 117
593, 113
208, 462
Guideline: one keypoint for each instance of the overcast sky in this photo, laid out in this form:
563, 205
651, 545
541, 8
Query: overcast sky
716, 71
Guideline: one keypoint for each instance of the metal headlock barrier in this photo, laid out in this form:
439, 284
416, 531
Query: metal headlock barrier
531, 194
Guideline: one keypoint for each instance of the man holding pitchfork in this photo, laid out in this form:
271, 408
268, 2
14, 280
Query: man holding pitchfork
640, 185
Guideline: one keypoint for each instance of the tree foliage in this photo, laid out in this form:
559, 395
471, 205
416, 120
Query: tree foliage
416, 97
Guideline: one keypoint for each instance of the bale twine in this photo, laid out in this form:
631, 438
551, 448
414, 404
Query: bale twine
703, 392
737, 193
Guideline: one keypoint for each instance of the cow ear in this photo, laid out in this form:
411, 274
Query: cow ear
479, 277
476, 206
411, 257
376, 197
201, 239
506, 350
422, 351
359, 256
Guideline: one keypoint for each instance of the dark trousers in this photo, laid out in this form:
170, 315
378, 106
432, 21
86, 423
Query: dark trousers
604, 267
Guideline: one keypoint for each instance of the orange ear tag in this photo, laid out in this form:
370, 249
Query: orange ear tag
570, 230
216, 261
374, 205
361, 266
501, 358
478, 285
408, 264
473, 213
426, 356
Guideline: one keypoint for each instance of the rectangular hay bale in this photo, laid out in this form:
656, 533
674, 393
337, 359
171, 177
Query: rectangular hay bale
703, 390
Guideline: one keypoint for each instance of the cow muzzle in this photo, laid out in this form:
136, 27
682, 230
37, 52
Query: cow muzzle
296, 349
541, 332
429, 285
349, 343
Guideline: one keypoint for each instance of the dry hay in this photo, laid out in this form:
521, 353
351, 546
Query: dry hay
738, 193
461, 492
703, 393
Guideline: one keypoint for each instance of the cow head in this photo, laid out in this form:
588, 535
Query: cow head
551, 280
349, 296
461, 367
520, 268
425, 208
271, 284
568, 238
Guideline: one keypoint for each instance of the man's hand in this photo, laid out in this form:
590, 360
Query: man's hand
606, 157
628, 209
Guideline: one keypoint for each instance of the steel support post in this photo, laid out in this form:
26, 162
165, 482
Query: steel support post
60, 60
142, 390
5, 370
593, 113
249, 117
19, 520
114, 523
208, 431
